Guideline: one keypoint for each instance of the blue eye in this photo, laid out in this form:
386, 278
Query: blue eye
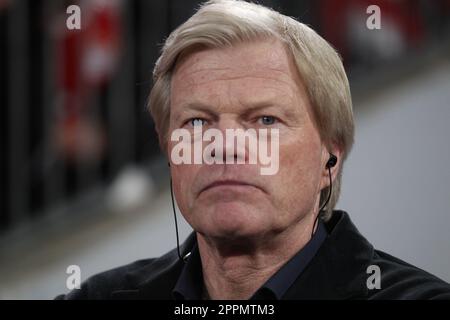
268, 120
197, 122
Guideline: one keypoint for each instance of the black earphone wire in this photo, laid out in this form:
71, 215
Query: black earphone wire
176, 223
326, 202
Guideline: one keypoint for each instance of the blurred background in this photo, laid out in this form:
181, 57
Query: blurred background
82, 179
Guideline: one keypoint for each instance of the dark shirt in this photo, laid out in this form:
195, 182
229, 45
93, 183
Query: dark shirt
190, 283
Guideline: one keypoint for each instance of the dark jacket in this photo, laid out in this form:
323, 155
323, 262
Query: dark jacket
339, 270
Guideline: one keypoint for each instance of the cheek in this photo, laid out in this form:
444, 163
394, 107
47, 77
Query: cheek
182, 180
299, 172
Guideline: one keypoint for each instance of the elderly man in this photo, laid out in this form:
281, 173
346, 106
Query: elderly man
236, 65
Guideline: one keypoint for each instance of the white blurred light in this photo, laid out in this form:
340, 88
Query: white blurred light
130, 191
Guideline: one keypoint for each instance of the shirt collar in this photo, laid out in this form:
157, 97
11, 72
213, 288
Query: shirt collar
281, 281
190, 283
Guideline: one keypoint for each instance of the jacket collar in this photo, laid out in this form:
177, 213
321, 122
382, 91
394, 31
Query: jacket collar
338, 270
156, 280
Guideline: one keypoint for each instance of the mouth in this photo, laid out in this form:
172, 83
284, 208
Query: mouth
228, 184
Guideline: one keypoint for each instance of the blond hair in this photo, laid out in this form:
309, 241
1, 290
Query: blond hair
224, 23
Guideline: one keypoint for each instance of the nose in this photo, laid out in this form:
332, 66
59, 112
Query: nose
234, 148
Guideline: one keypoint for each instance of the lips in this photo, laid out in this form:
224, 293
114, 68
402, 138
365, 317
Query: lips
232, 183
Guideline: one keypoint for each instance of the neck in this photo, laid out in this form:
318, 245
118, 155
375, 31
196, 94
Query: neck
235, 269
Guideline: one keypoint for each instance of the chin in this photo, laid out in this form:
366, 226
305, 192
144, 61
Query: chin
230, 220
233, 235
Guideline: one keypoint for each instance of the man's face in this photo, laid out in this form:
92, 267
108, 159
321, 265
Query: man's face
253, 85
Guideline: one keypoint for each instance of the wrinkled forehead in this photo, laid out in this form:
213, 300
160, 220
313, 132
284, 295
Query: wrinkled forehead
267, 64
264, 55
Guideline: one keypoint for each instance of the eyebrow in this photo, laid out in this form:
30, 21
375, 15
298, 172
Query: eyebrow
270, 105
198, 106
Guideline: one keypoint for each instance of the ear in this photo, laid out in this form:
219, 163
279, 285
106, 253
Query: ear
337, 151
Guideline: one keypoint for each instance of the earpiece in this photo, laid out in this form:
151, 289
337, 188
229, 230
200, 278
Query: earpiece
331, 161
330, 164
